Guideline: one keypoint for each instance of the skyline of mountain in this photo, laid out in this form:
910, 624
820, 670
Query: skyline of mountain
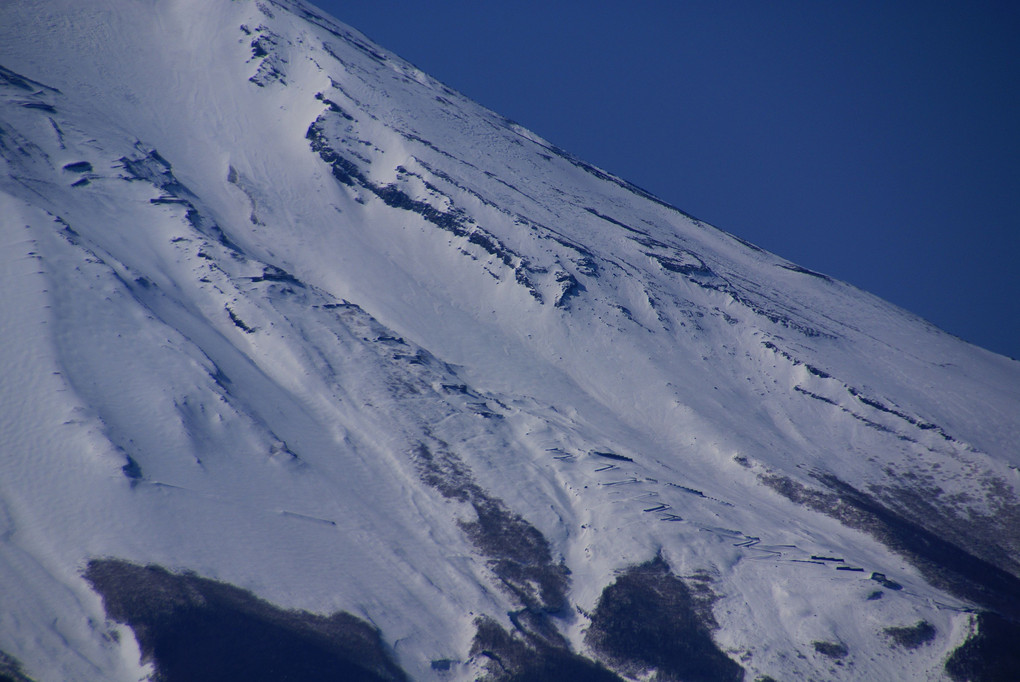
314, 367
872, 142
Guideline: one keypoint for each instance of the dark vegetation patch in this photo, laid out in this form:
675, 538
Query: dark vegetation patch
991, 654
648, 619
912, 636
942, 563
442, 664
521, 560
835, 650
197, 630
515, 658
992, 534
519, 555
10, 667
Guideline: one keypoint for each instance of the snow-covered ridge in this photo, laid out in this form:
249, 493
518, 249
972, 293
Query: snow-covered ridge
284, 311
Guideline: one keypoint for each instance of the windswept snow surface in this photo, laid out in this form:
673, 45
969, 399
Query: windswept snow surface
284, 311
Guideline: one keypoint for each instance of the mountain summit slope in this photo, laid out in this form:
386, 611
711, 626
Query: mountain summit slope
303, 349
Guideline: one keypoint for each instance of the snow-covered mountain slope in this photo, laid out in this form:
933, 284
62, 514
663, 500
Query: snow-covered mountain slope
314, 334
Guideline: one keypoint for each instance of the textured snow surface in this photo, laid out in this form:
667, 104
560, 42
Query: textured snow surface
253, 264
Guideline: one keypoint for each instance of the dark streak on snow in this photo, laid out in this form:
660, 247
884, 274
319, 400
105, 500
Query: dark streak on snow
239, 323
784, 319
41, 106
873, 424
16, 80
611, 455
149, 166
306, 12
862, 398
453, 220
805, 271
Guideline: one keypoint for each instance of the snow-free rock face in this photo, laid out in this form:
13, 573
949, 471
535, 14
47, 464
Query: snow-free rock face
300, 343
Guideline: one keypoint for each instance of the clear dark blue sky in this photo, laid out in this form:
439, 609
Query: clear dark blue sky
878, 142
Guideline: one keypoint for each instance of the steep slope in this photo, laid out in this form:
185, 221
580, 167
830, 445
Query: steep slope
282, 311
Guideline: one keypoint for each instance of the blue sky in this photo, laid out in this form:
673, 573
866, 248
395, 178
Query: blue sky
878, 142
